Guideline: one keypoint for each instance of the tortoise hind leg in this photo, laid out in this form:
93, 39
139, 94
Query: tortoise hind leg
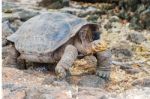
11, 59
66, 61
21, 63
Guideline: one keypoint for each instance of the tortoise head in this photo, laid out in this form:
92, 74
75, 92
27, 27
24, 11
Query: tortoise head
89, 34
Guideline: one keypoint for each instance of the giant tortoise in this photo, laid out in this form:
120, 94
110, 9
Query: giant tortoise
61, 38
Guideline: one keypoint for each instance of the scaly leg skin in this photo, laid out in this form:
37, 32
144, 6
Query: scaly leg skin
66, 61
11, 59
104, 64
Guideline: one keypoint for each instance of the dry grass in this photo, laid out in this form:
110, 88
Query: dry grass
121, 81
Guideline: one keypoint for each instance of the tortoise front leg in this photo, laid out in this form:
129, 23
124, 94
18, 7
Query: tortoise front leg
104, 64
13, 60
66, 61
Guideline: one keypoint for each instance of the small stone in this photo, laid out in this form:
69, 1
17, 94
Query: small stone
91, 81
63, 95
122, 50
13, 95
136, 38
71, 10
114, 19
49, 80
93, 18
108, 25
104, 97
92, 93
132, 71
26, 14
16, 24
46, 96
9, 17
33, 93
5, 86
39, 67
39, 93
5, 51
13, 87
145, 82
60, 83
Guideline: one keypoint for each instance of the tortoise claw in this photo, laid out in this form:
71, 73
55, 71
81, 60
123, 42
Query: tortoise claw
60, 72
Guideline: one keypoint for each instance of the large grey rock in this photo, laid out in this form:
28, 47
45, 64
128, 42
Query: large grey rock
13, 87
12, 11
135, 93
54, 4
90, 12
6, 31
11, 91
47, 93
9, 7
8, 28
24, 15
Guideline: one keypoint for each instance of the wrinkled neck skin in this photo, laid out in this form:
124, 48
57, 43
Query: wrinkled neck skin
83, 41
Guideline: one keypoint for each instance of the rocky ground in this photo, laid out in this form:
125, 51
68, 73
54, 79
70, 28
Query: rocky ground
128, 38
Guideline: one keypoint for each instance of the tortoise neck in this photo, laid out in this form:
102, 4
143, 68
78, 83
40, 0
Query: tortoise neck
83, 40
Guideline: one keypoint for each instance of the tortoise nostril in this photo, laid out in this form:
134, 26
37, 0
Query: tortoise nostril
96, 35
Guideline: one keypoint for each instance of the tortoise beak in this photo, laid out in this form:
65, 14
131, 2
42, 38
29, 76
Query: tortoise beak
101, 46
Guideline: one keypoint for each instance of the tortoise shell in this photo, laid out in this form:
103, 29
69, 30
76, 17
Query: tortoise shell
46, 32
